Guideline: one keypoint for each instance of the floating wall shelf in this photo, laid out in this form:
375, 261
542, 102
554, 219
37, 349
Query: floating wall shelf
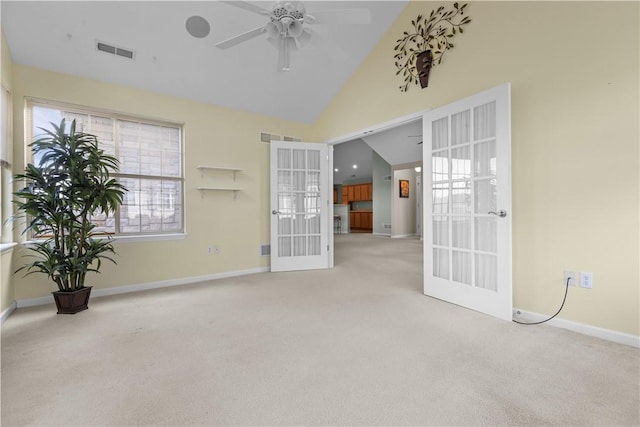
215, 168
219, 188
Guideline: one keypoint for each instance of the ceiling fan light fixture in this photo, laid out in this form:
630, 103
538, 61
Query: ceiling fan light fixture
274, 29
295, 28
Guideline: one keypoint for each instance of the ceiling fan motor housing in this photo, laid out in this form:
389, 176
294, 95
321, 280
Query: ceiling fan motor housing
288, 9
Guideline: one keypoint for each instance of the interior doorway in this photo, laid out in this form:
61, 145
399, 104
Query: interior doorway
367, 169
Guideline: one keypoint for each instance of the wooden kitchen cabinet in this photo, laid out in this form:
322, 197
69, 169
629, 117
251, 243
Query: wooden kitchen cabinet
361, 220
357, 193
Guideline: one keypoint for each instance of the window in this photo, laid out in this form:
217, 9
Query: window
150, 154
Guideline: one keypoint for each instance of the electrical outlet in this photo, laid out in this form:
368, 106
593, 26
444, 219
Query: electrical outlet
571, 276
216, 249
586, 280
209, 250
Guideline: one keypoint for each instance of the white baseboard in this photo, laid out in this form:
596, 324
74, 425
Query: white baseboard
381, 234
146, 286
401, 236
594, 331
7, 312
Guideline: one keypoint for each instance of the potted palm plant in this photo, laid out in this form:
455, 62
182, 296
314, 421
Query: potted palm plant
63, 192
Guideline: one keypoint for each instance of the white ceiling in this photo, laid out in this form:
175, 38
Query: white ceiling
61, 36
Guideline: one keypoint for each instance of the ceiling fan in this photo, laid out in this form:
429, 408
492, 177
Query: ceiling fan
287, 27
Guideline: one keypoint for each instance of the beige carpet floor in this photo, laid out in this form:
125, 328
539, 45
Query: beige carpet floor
357, 345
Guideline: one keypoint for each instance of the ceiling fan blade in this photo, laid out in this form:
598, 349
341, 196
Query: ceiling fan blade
226, 44
249, 6
340, 16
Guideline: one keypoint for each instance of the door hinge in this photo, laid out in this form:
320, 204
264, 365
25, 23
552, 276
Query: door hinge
327, 248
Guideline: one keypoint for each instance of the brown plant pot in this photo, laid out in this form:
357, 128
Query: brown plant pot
72, 302
424, 60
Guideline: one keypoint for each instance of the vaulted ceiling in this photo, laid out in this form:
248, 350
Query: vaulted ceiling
61, 36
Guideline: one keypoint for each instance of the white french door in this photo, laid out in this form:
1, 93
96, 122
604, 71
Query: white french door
467, 202
299, 206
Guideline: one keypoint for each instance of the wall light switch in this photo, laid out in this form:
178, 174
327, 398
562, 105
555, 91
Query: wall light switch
586, 280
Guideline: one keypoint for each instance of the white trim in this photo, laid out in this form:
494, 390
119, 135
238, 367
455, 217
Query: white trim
7, 312
581, 328
401, 236
7, 247
390, 124
382, 234
147, 286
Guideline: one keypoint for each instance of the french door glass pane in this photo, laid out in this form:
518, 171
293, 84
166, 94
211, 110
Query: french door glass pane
461, 232
299, 246
441, 263
284, 246
314, 160
299, 221
485, 159
461, 263
284, 225
299, 159
485, 196
463, 192
440, 133
486, 271
484, 119
486, 234
460, 163
314, 245
284, 158
299, 181
441, 231
440, 166
300, 224
461, 197
460, 127
440, 200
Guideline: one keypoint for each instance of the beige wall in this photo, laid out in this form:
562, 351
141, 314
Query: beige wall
213, 136
574, 73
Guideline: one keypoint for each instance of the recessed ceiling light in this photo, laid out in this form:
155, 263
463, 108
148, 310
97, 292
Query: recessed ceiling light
335, 170
418, 169
355, 166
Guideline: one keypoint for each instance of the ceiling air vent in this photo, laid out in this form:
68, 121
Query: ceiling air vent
114, 50
292, 139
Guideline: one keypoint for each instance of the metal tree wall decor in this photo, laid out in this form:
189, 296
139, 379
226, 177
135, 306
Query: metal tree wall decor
424, 47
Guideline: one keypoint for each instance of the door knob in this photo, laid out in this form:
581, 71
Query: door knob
275, 212
502, 213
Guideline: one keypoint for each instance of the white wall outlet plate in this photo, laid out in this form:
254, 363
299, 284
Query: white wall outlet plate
586, 280
571, 276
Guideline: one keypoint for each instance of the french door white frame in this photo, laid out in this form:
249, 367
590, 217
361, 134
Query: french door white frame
299, 206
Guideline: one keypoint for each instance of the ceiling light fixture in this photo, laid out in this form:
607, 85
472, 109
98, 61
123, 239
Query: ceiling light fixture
355, 166
335, 170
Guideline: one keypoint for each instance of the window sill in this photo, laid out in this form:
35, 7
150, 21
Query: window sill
149, 237
138, 238
6, 247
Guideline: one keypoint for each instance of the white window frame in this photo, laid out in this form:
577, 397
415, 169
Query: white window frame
117, 116
6, 141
